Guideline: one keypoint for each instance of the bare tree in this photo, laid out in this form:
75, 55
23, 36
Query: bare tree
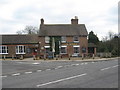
110, 35
28, 30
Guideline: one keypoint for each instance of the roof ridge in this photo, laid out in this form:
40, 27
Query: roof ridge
63, 24
18, 35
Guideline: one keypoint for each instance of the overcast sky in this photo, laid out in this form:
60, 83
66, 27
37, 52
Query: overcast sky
100, 16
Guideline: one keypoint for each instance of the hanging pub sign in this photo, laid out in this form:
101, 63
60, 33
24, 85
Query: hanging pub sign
70, 43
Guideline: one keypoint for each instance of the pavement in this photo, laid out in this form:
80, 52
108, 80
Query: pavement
27, 73
67, 59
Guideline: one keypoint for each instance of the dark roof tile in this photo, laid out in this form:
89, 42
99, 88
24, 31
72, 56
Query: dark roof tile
62, 30
19, 39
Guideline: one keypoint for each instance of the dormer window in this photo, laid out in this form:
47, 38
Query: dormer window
63, 39
76, 38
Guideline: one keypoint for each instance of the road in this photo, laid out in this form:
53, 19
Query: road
60, 74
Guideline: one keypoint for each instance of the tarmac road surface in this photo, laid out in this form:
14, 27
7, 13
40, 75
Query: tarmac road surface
60, 74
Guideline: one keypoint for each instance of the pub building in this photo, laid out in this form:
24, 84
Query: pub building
72, 41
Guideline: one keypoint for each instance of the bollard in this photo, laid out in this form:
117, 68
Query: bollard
12, 57
4, 57
93, 56
33, 57
38, 57
56, 57
82, 56
44, 57
69, 56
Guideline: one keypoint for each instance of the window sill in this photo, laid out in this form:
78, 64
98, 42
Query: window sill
20, 53
47, 42
63, 41
3, 53
76, 41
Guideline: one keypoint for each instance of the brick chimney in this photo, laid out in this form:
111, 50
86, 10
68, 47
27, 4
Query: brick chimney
42, 21
74, 21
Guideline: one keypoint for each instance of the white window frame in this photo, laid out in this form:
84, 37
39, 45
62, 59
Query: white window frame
18, 49
47, 39
65, 49
47, 46
1, 49
63, 39
74, 38
76, 46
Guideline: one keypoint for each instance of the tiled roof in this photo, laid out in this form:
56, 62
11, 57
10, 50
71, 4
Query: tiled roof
63, 30
19, 39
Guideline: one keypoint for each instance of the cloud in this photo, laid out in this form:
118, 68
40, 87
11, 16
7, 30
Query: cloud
98, 15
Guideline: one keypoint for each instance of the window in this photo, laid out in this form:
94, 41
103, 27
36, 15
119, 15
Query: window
3, 50
47, 48
83, 50
20, 49
76, 38
63, 49
63, 39
76, 49
47, 39
29, 50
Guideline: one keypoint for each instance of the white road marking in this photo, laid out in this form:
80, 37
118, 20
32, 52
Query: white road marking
82, 63
114, 66
86, 63
73, 64
60, 80
35, 63
3, 76
105, 68
109, 67
60, 66
19, 62
93, 62
16, 74
56, 68
48, 69
39, 70
68, 65
28, 72
77, 64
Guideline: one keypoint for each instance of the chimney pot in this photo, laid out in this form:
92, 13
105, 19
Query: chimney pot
74, 21
42, 21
